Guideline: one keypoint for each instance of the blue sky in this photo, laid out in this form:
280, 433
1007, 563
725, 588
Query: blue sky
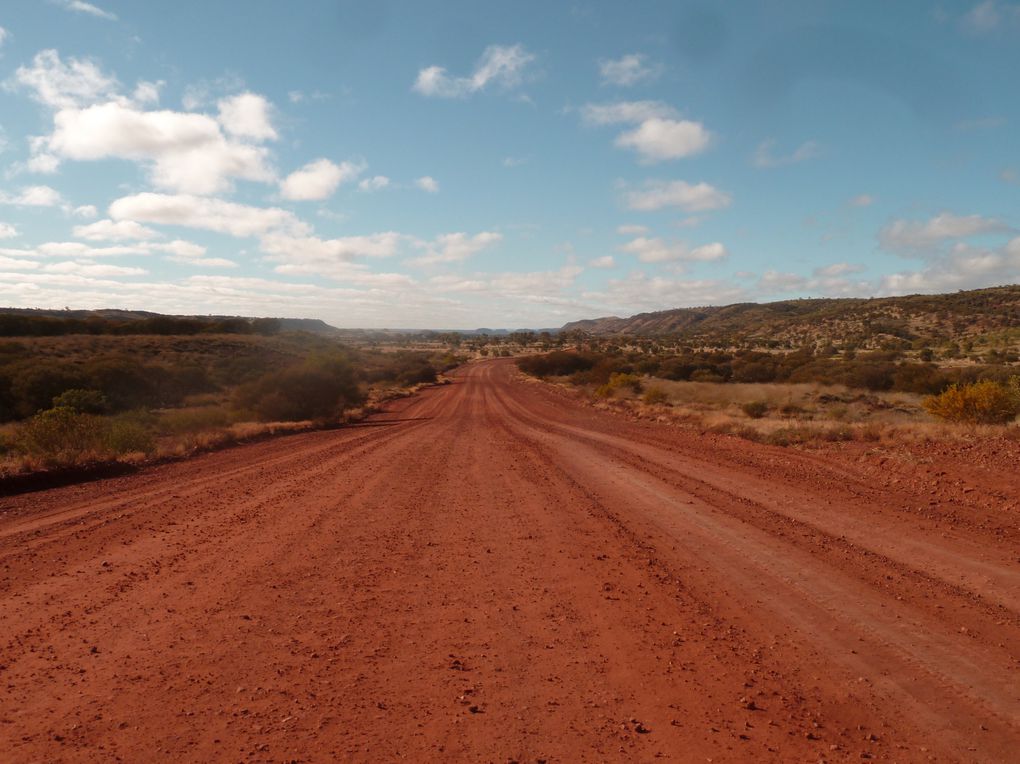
515, 164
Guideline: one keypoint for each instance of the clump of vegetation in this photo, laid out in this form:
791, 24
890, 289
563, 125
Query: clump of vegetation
979, 403
74, 399
755, 409
317, 389
655, 395
619, 381
63, 436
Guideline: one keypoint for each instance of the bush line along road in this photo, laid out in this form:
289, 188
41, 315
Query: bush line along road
491, 571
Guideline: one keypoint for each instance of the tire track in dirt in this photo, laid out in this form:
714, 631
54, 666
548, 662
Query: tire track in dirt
491, 575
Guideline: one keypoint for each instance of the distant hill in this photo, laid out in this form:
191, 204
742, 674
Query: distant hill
955, 316
114, 315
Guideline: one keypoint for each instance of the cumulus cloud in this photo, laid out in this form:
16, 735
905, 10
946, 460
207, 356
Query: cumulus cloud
606, 261
110, 230
62, 85
7, 231
660, 134
319, 179
184, 151
4, 34
499, 65
85, 211
205, 213
427, 183
187, 152
247, 115
454, 247
628, 70
631, 230
913, 237
862, 200
33, 196
765, 158
659, 194
656, 250
962, 267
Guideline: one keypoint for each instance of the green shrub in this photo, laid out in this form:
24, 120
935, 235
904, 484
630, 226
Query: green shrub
984, 402
82, 401
127, 435
755, 409
61, 436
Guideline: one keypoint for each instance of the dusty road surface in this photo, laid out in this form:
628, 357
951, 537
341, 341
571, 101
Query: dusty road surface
493, 572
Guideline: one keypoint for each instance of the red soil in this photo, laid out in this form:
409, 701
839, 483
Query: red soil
491, 571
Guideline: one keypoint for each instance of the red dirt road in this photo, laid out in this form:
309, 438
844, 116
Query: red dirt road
493, 572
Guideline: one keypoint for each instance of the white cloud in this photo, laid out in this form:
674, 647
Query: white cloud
319, 179
77, 249
657, 195
80, 6
85, 211
147, 92
862, 200
628, 70
60, 85
188, 151
247, 115
764, 158
912, 237
606, 261
632, 230
656, 250
33, 196
183, 151
660, 134
640, 292
109, 230
206, 213
708, 252
7, 231
499, 64
180, 248
376, 183
42, 164
334, 258
658, 140
93, 269
963, 267
427, 183
4, 34
454, 247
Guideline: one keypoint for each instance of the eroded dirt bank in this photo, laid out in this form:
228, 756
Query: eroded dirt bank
492, 572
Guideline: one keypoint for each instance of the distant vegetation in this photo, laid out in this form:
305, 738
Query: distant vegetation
990, 315
169, 385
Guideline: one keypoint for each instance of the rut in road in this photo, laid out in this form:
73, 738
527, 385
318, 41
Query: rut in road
492, 571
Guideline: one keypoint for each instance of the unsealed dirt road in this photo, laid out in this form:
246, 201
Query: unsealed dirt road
493, 572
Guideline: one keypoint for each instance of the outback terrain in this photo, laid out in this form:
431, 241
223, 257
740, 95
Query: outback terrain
493, 571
